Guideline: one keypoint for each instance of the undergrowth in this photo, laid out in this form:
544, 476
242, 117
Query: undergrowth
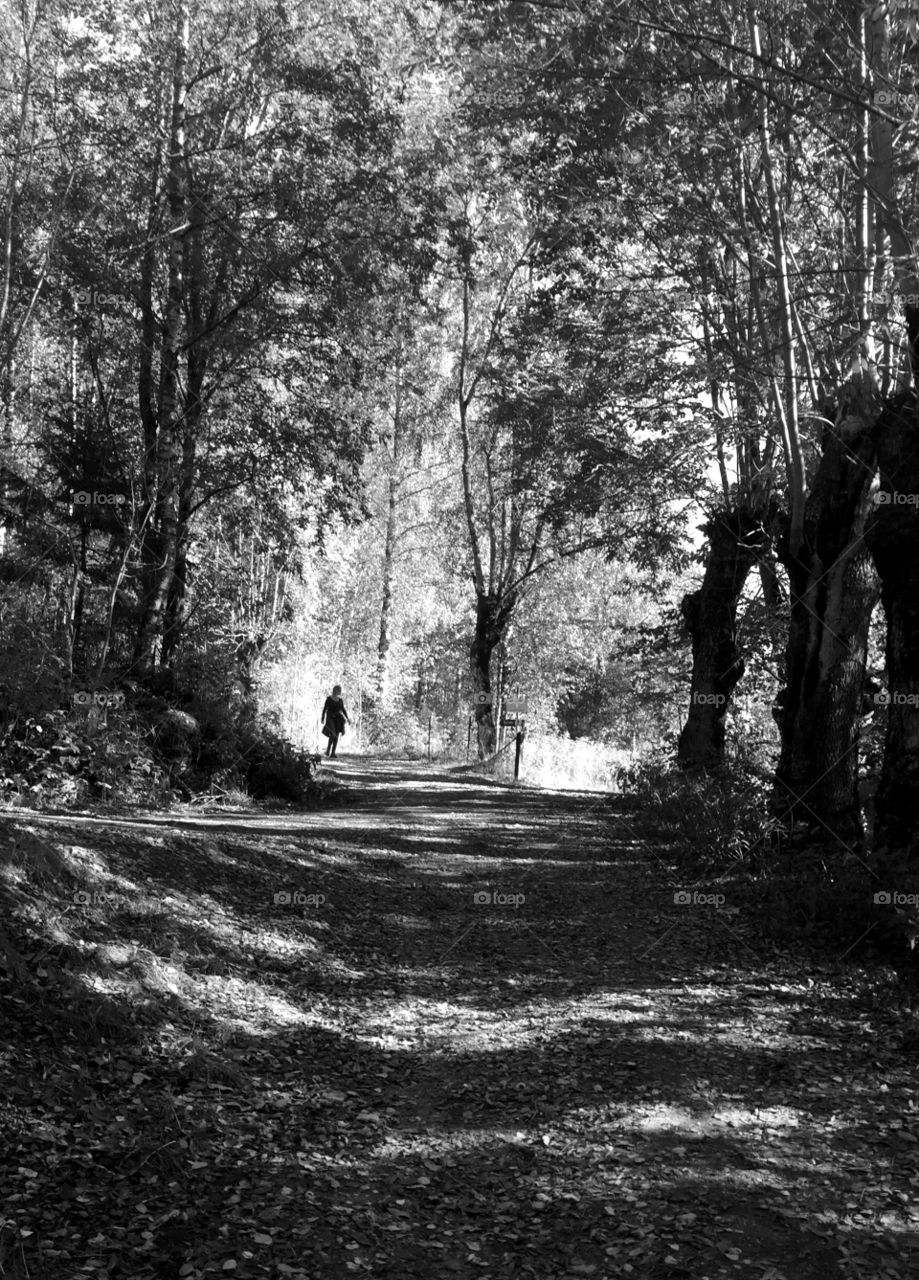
722, 826
139, 746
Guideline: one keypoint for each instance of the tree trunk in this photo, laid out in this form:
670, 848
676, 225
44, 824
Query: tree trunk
500, 693
162, 542
146, 386
174, 616
893, 538
773, 598
736, 541
174, 613
389, 547
248, 659
7, 380
384, 642
833, 592
492, 616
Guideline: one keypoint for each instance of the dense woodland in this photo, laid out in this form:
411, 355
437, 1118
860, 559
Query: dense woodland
441, 349
458, 353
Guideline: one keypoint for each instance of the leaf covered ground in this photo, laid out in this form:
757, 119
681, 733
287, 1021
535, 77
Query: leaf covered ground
442, 1028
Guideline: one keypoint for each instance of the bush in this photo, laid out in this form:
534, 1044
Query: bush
796, 885
719, 821
273, 767
64, 757
147, 751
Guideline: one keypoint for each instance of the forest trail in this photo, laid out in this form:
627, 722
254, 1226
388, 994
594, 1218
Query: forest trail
395, 1077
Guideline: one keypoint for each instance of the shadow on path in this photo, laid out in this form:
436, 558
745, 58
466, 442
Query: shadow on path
483, 1041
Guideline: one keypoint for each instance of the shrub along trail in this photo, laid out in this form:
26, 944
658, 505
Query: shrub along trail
389, 1073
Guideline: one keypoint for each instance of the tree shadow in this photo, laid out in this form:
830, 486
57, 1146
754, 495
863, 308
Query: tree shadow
402, 1081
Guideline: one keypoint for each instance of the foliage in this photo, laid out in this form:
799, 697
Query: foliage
716, 822
147, 753
53, 760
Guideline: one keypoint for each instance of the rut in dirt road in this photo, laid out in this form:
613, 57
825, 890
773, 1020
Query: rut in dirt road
443, 1028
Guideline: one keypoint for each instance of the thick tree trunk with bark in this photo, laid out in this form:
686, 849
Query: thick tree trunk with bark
893, 534
893, 537
492, 616
736, 541
833, 592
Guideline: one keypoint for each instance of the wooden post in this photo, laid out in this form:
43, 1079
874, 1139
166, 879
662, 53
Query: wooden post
517, 753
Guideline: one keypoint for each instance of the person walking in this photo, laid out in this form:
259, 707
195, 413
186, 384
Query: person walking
334, 716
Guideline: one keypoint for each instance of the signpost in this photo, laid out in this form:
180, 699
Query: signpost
515, 709
517, 752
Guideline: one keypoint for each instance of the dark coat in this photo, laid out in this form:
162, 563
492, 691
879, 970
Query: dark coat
333, 717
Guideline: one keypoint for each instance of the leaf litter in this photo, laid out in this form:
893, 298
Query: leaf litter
398, 1078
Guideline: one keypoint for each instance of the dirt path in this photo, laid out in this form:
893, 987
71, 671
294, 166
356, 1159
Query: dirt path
484, 1041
